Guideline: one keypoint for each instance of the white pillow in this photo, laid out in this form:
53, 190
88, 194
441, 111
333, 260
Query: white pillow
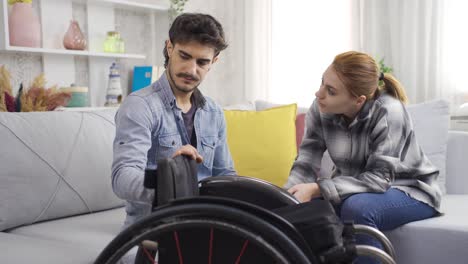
249, 106
431, 122
262, 105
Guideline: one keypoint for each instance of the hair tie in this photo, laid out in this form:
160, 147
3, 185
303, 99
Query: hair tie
381, 77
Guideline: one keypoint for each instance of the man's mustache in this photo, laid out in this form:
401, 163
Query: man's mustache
188, 76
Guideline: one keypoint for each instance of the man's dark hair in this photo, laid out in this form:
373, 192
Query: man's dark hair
201, 28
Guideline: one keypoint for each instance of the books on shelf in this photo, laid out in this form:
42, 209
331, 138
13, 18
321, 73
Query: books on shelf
143, 76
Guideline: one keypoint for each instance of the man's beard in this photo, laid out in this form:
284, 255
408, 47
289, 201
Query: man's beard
183, 75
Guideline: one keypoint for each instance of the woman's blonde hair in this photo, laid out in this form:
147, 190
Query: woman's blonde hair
360, 74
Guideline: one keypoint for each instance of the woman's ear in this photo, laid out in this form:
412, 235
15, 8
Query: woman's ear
361, 100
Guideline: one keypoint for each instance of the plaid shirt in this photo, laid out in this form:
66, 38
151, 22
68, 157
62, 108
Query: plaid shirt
376, 151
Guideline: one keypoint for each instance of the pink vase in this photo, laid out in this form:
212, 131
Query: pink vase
74, 38
24, 26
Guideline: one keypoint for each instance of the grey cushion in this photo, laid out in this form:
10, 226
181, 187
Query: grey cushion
457, 165
20, 249
55, 164
437, 240
431, 122
92, 231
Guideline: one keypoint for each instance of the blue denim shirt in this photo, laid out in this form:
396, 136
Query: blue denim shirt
149, 127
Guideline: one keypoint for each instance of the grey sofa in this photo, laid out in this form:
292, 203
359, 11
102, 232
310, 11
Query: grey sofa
56, 200
57, 205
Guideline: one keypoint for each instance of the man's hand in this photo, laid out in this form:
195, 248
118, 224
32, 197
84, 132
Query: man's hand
190, 151
305, 192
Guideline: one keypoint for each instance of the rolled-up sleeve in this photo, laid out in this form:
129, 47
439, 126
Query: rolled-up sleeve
134, 122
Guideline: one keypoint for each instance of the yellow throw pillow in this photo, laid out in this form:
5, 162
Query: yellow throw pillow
263, 143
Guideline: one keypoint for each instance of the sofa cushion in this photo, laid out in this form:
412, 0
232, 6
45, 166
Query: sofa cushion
263, 143
437, 240
93, 231
300, 129
55, 164
457, 165
23, 249
431, 124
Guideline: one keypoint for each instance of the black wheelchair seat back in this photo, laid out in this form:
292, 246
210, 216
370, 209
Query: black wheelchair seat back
174, 178
251, 190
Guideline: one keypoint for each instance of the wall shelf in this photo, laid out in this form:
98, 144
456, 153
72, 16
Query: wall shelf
149, 5
58, 63
44, 51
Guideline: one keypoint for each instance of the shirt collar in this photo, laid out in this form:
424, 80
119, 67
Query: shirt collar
361, 116
167, 96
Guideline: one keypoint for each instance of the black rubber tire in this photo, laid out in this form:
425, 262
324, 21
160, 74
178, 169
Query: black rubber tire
235, 216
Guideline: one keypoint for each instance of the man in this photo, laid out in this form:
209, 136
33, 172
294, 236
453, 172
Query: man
171, 117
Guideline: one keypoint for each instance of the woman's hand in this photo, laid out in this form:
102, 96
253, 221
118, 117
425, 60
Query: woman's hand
190, 151
305, 192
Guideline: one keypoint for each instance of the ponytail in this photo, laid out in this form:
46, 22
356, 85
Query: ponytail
394, 88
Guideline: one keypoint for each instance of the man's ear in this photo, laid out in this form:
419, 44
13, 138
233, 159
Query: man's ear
215, 59
169, 47
361, 100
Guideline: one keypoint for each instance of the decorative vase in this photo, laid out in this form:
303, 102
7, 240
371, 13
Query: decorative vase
24, 26
74, 38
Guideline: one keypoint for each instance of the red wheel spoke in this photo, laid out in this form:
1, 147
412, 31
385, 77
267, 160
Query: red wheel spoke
210, 254
242, 251
149, 255
179, 251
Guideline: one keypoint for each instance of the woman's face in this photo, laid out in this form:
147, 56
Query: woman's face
334, 98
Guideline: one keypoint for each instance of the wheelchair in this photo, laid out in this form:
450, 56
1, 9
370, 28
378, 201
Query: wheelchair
228, 219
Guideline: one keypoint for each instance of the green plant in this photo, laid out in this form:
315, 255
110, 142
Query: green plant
11, 2
177, 7
384, 68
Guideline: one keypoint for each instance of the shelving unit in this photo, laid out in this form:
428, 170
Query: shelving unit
75, 52
58, 62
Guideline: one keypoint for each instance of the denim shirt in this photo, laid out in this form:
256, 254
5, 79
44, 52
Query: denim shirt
149, 127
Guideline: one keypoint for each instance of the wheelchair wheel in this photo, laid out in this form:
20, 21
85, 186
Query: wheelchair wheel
205, 230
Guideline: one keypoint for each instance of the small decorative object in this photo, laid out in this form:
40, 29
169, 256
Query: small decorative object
114, 89
114, 43
23, 24
79, 95
36, 98
176, 8
74, 38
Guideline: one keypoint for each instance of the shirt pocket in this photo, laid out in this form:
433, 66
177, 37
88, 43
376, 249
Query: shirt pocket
168, 144
208, 148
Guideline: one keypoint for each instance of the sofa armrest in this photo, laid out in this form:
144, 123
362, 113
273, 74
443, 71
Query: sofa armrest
457, 163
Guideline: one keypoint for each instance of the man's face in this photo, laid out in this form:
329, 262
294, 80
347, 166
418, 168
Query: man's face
333, 97
188, 64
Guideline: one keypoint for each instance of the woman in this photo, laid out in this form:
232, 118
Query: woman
382, 178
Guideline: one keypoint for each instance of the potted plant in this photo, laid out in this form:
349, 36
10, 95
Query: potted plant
23, 24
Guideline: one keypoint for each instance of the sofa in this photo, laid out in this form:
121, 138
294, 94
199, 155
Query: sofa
57, 204
56, 199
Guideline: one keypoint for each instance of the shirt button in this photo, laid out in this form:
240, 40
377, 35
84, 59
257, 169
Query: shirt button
173, 143
213, 144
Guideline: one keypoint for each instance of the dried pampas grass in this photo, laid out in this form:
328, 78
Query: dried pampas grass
36, 98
